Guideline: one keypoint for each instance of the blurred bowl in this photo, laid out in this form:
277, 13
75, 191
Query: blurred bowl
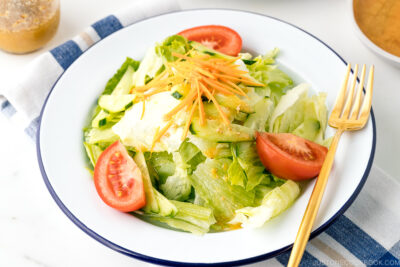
394, 60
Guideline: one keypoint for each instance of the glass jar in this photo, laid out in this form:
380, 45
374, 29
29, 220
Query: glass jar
27, 25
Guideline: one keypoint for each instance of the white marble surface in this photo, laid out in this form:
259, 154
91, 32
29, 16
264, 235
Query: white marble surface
34, 231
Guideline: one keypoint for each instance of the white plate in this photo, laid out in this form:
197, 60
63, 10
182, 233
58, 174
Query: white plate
63, 162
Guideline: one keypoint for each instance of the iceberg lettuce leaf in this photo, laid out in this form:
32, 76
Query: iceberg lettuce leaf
189, 217
191, 155
259, 119
151, 65
210, 182
275, 80
315, 119
274, 202
162, 163
112, 83
251, 164
93, 152
210, 149
177, 186
300, 114
236, 174
155, 201
174, 43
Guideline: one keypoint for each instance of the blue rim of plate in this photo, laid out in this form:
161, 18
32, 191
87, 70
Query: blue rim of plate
154, 260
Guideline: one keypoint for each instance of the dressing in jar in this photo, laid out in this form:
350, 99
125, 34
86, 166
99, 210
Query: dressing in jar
27, 25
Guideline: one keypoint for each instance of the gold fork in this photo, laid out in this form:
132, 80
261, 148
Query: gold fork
350, 113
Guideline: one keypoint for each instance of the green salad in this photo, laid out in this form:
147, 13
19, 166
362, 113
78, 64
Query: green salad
187, 116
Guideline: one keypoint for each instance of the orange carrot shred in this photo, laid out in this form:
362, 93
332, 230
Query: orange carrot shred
201, 107
143, 109
234, 86
231, 88
187, 100
186, 129
221, 112
216, 86
246, 80
158, 135
206, 76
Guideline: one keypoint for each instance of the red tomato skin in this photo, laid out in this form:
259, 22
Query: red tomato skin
132, 202
285, 165
231, 40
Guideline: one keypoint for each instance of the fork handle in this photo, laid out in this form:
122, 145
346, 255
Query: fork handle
313, 204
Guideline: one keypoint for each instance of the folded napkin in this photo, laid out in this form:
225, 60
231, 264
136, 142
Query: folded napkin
368, 234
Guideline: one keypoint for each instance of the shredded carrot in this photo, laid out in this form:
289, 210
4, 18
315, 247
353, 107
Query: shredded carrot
224, 61
250, 82
205, 73
234, 86
232, 78
201, 107
217, 86
156, 91
180, 56
187, 100
228, 70
241, 79
158, 135
210, 65
206, 76
186, 129
230, 88
221, 112
154, 143
143, 109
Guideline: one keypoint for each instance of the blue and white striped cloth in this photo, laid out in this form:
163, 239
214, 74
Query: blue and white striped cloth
368, 234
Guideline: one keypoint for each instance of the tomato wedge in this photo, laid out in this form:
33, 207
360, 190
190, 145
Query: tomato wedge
220, 38
118, 179
289, 156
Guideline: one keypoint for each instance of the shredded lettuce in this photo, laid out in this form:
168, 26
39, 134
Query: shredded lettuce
188, 150
163, 165
259, 119
177, 186
300, 114
315, 119
236, 174
174, 43
209, 181
287, 101
191, 155
93, 152
276, 81
274, 202
195, 214
112, 83
169, 173
211, 149
155, 201
190, 218
151, 65
246, 169
98, 130
97, 136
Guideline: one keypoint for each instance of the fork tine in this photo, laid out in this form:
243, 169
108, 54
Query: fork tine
350, 95
366, 107
357, 101
337, 108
